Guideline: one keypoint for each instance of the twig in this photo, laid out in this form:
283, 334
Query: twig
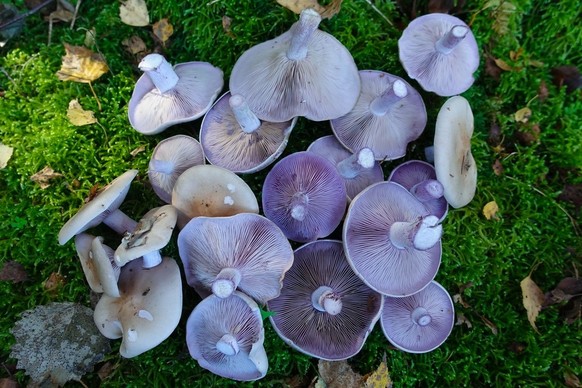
379, 12
26, 14
75, 13
95, 95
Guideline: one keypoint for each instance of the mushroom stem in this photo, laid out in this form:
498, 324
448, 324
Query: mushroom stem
248, 121
421, 316
228, 345
422, 234
427, 190
119, 222
382, 104
308, 22
353, 165
451, 39
326, 300
226, 282
298, 206
159, 71
162, 166
151, 259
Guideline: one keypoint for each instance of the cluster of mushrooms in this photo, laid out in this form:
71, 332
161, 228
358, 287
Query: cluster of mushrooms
325, 296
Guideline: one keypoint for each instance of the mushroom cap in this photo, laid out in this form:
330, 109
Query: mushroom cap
107, 270
147, 311
315, 332
152, 233
421, 322
443, 74
454, 164
322, 86
212, 191
98, 208
97, 271
331, 149
227, 145
247, 243
237, 317
151, 112
305, 196
372, 255
170, 158
389, 134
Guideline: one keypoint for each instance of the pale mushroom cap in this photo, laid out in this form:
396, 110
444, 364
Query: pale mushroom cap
107, 270
454, 164
83, 246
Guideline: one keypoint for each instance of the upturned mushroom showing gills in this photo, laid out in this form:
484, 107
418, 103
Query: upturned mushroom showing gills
167, 95
324, 309
305, 196
388, 115
233, 137
226, 335
245, 252
440, 52
421, 322
391, 240
303, 72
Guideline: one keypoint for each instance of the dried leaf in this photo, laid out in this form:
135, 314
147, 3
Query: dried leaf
106, 370
163, 30
503, 65
490, 210
543, 92
457, 298
79, 116
492, 68
501, 15
81, 64
326, 12
134, 45
533, 299
226, 23
5, 155
571, 380
338, 374
497, 167
567, 75
566, 289
137, 150
6, 382
523, 115
528, 135
134, 13
380, 378
572, 311
462, 320
54, 282
517, 347
44, 176
13, 271
90, 37
489, 324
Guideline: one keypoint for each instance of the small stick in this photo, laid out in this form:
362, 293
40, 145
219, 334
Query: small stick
26, 14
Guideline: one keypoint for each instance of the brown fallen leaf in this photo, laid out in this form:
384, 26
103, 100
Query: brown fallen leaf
134, 13
137, 150
462, 320
503, 65
572, 311
6, 382
380, 378
81, 64
338, 374
134, 45
523, 115
490, 210
528, 135
226, 23
54, 282
566, 289
44, 176
533, 299
571, 380
106, 370
568, 76
543, 92
13, 271
163, 30
326, 12
458, 298
497, 167
5, 155
572, 193
79, 116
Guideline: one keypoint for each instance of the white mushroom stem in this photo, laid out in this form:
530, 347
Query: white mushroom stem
228, 345
427, 190
422, 234
298, 206
162, 166
246, 119
308, 22
420, 316
382, 104
326, 300
226, 282
353, 165
119, 222
451, 39
159, 71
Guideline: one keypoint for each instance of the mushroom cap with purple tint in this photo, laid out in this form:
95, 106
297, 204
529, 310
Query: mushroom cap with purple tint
245, 252
324, 309
305, 196
440, 52
98, 265
420, 179
228, 143
391, 240
226, 335
170, 158
359, 170
303, 72
421, 322
388, 115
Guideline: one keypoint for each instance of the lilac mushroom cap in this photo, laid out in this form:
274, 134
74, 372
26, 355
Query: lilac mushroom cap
170, 158
167, 95
226, 335
303, 72
305, 196
324, 309
421, 322
388, 115
233, 137
359, 170
245, 252
440, 52
391, 240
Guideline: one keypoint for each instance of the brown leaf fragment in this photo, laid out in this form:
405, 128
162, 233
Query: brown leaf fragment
81, 64
543, 92
503, 65
106, 370
462, 320
95, 189
528, 135
489, 324
54, 282
13, 271
137, 150
495, 135
163, 30
134, 45
497, 167
533, 299
338, 374
226, 25
566, 289
326, 12
134, 13
79, 116
6, 382
571, 380
567, 75
572, 193
492, 69
44, 176
572, 311
458, 298
380, 378
517, 347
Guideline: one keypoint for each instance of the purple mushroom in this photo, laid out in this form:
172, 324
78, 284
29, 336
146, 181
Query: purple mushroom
234, 138
391, 240
440, 52
305, 196
324, 309
389, 114
421, 322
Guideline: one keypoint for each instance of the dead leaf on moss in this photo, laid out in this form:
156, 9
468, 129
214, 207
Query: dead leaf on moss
81, 64
106, 370
226, 23
523, 115
380, 378
5, 155
337, 374
13, 271
79, 116
490, 325
462, 320
490, 210
163, 30
571, 380
543, 92
134, 13
326, 11
137, 150
134, 45
497, 167
533, 299
44, 176
54, 282
90, 37
492, 68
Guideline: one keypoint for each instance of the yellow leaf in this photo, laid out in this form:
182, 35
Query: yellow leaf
326, 11
523, 115
163, 30
134, 13
533, 298
5, 155
490, 210
380, 377
503, 65
79, 116
81, 65
44, 176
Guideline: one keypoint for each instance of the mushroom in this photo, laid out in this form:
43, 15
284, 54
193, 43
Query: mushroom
234, 138
305, 196
226, 335
170, 158
421, 322
391, 240
98, 265
454, 164
324, 309
303, 72
359, 170
148, 309
440, 52
167, 95
388, 115
245, 252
